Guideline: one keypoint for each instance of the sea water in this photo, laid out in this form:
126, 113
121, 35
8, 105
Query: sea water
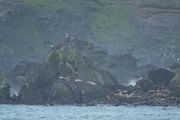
25, 112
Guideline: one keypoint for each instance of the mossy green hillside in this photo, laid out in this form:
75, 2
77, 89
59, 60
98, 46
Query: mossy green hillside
32, 37
112, 23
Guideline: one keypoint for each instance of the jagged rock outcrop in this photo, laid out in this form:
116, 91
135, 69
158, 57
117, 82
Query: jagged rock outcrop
68, 76
161, 77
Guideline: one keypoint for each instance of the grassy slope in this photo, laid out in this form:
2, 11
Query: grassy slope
110, 22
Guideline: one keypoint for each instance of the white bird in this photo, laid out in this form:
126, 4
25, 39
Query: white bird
51, 46
60, 77
177, 59
78, 80
91, 83
66, 35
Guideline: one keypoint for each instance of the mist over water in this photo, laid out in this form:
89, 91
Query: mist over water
22, 112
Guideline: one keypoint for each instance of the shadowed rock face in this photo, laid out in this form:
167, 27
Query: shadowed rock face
161, 77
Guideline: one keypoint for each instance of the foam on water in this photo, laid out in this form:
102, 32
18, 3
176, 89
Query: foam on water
23, 112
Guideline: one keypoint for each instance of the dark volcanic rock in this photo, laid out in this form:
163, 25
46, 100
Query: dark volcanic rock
161, 77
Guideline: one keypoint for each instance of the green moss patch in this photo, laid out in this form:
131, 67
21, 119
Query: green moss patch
110, 23
5, 50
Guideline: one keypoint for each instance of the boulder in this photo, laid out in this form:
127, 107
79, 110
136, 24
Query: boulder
161, 77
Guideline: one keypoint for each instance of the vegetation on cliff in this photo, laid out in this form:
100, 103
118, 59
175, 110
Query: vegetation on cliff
68, 76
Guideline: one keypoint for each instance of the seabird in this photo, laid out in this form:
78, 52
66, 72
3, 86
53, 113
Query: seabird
91, 83
67, 35
78, 80
51, 46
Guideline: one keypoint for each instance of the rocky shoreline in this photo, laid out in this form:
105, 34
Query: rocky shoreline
115, 99
71, 77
